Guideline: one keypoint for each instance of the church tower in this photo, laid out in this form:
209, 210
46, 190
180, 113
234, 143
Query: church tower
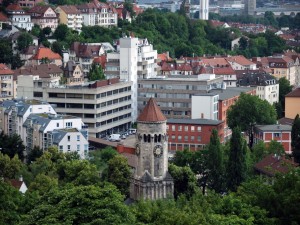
151, 178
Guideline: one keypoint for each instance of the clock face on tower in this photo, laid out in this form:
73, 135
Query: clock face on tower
158, 151
137, 149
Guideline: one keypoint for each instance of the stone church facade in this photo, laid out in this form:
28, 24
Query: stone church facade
151, 178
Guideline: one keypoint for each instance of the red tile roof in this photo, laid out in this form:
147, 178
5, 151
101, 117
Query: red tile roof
69, 9
101, 60
294, 93
151, 113
164, 56
4, 70
13, 7
218, 61
45, 53
15, 183
273, 164
41, 9
240, 59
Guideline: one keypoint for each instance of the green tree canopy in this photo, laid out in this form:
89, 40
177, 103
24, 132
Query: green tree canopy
24, 40
96, 73
249, 110
296, 138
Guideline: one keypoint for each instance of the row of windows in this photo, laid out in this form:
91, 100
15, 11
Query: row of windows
77, 138
185, 138
185, 128
118, 118
86, 147
113, 111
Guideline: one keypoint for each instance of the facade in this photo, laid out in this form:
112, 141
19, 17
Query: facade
45, 56
240, 62
6, 83
29, 3
192, 134
70, 15
174, 94
97, 13
44, 16
267, 87
277, 132
84, 54
73, 74
104, 106
204, 9
292, 104
18, 17
205, 106
151, 178
250, 7
38, 124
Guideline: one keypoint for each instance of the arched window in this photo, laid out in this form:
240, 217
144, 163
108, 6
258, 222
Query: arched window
159, 138
155, 138
149, 138
145, 138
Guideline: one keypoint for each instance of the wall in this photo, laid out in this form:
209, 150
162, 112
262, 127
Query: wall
292, 107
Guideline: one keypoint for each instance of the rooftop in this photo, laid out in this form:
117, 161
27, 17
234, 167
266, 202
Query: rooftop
274, 127
151, 113
294, 93
195, 121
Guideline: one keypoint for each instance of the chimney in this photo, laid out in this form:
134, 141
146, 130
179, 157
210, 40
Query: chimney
21, 178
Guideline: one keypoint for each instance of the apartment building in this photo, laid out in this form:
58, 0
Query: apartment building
70, 15
38, 124
44, 16
216, 103
193, 134
44, 55
6, 83
29, 3
104, 106
84, 54
73, 74
267, 87
97, 13
19, 17
174, 94
134, 59
277, 132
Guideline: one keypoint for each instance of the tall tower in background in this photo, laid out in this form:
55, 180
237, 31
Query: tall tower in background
204, 9
151, 178
250, 7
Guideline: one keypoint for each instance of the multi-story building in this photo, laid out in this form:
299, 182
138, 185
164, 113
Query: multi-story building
19, 17
277, 132
70, 15
38, 124
44, 16
192, 134
240, 62
283, 66
73, 74
174, 94
267, 87
6, 83
98, 13
215, 104
29, 3
45, 56
292, 104
104, 106
84, 54
135, 59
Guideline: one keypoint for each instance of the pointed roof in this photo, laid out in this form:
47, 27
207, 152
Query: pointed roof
151, 113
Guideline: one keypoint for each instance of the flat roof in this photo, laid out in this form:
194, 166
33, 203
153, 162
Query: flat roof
195, 121
227, 93
274, 127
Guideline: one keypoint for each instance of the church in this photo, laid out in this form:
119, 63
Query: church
151, 179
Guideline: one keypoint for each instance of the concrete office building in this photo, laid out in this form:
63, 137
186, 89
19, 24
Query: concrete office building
173, 94
104, 106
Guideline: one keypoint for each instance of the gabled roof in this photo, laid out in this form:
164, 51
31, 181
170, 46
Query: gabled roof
43, 52
151, 113
69, 9
240, 59
294, 93
273, 164
4, 70
39, 9
43, 70
85, 50
14, 7
3, 18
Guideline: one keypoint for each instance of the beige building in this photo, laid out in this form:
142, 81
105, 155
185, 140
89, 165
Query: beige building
70, 15
292, 104
6, 83
73, 74
104, 106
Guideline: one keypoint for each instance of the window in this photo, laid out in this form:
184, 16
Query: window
57, 124
192, 128
86, 147
186, 128
179, 138
179, 128
199, 138
78, 148
78, 137
173, 137
186, 138
192, 138
69, 148
61, 148
167, 127
173, 127
199, 129
69, 124
69, 137
277, 134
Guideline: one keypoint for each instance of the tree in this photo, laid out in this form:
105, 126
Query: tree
237, 167
12, 145
248, 111
275, 147
259, 151
6, 53
61, 32
215, 164
296, 138
96, 73
118, 173
9, 168
33, 154
185, 181
284, 89
81, 205
24, 40
47, 31
43, 184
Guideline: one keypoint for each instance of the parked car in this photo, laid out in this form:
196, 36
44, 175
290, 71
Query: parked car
132, 131
114, 137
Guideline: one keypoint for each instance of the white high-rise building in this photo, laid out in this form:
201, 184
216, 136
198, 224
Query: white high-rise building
204, 9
